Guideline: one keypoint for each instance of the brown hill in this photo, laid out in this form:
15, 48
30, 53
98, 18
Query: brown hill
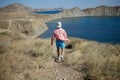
16, 7
14, 11
103, 11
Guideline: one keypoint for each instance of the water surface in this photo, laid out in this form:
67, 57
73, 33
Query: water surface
47, 12
101, 29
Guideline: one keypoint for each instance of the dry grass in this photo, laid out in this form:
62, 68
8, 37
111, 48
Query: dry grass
12, 15
32, 59
23, 58
101, 60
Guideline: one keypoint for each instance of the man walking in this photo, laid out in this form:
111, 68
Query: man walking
60, 35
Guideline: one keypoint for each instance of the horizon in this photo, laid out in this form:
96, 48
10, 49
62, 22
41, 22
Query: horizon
62, 4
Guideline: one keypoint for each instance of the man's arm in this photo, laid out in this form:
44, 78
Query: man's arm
65, 36
52, 39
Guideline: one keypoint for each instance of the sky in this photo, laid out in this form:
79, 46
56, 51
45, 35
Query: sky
82, 4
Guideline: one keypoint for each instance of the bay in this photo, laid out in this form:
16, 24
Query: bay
47, 12
101, 29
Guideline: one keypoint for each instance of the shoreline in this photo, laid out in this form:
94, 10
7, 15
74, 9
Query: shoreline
100, 40
33, 25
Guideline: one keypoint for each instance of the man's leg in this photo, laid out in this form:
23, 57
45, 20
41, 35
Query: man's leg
58, 53
62, 53
62, 50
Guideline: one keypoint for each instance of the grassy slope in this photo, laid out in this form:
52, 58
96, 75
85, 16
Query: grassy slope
33, 59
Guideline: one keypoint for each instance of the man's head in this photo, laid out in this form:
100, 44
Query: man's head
59, 24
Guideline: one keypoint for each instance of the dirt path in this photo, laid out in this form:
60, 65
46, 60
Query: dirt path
60, 71
66, 73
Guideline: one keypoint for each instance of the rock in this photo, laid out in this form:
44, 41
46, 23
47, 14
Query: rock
103, 11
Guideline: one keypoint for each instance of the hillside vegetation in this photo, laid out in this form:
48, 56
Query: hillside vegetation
33, 59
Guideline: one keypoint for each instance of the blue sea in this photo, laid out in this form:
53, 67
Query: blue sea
101, 29
47, 12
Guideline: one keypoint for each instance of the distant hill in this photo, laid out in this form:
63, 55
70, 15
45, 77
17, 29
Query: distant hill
49, 9
16, 7
103, 11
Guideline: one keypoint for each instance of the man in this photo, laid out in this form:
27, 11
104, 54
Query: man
60, 35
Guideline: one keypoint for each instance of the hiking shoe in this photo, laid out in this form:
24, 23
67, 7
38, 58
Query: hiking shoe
62, 59
56, 60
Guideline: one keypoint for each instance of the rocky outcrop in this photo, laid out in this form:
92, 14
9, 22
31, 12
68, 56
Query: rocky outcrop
29, 27
74, 12
103, 11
